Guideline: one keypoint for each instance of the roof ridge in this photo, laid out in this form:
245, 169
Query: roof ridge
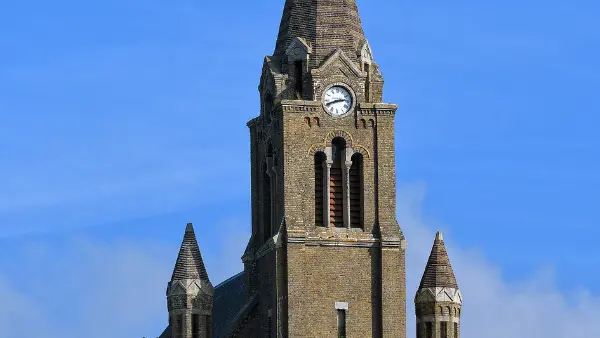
229, 279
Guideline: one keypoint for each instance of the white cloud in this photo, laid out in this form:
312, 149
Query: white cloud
99, 289
87, 289
531, 308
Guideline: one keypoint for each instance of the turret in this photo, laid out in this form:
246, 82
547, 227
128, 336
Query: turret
438, 301
190, 293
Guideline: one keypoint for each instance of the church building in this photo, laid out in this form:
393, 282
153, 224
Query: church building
326, 257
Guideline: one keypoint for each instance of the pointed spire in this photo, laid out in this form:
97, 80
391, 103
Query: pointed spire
189, 263
438, 272
326, 25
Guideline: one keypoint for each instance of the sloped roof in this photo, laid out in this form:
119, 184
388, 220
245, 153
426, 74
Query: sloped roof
189, 263
326, 25
438, 272
228, 300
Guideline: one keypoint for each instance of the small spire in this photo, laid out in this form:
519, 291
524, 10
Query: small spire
189, 264
438, 272
438, 236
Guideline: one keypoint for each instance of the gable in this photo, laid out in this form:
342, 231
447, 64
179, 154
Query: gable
339, 64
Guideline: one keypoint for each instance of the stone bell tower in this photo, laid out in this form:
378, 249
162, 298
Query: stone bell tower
326, 256
189, 293
438, 301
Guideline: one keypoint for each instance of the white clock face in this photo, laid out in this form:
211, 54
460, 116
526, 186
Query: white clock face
337, 100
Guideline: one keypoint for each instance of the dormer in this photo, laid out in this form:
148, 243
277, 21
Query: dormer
298, 54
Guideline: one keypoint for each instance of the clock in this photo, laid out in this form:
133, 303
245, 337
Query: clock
337, 100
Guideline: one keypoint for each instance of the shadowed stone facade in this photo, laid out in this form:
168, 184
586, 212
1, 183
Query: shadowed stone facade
326, 257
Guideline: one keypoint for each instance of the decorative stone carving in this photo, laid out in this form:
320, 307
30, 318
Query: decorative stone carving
449, 295
364, 52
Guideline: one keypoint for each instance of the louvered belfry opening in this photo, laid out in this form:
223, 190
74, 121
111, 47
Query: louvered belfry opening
266, 199
319, 189
356, 191
336, 184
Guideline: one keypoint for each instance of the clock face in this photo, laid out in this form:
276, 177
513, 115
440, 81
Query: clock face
337, 100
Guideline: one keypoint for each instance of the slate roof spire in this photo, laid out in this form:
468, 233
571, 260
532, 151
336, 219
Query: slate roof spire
326, 25
438, 272
189, 264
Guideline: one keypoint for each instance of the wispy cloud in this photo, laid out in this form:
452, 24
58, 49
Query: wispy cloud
116, 288
86, 289
494, 307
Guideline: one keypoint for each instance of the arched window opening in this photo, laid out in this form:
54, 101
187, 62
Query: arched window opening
336, 185
268, 107
356, 191
319, 189
443, 329
266, 201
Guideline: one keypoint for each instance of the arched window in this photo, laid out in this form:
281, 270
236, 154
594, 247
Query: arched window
266, 203
336, 185
319, 189
356, 191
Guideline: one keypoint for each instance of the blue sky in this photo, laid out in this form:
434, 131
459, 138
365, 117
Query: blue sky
120, 121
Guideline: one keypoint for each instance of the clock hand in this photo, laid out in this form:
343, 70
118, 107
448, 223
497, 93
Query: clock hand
335, 101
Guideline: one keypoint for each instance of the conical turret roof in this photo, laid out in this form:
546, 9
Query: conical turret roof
326, 25
438, 272
189, 263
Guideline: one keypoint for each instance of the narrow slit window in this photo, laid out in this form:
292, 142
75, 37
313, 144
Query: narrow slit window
319, 189
455, 330
429, 330
195, 326
443, 330
298, 73
336, 185
268, 107
356, 191
341, 318
266, 204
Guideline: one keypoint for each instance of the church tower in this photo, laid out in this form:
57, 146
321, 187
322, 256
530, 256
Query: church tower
326, 257
438, 301
189, 293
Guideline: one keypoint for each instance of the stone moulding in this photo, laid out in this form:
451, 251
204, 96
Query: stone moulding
189, 287
437, 318
300, 106
439, 294
369, 109
350, 144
